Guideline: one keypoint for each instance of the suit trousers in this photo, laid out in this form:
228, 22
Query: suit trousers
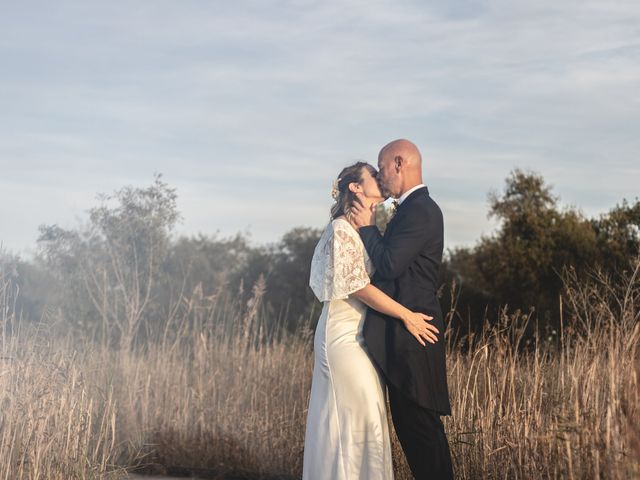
421, 434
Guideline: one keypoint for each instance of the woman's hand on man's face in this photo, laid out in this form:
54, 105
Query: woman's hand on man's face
362, 213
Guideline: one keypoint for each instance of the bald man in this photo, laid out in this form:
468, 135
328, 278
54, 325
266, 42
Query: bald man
407, 259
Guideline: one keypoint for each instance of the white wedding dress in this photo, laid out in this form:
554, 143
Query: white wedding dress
347, 435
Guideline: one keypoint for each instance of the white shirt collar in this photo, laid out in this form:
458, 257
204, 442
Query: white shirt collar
404, 196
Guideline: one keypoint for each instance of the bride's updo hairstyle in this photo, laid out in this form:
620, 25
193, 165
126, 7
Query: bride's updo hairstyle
341, 194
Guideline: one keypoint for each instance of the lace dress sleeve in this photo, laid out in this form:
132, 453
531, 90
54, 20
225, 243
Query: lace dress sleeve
338, 265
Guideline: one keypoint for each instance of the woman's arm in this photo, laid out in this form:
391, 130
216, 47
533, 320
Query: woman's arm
416, 323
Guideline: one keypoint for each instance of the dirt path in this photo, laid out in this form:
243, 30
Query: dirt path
133, 476
208, 475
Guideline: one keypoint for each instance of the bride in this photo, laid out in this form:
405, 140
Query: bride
347, 434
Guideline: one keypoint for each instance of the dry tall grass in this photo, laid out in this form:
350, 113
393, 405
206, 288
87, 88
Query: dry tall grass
226, 397
565, 407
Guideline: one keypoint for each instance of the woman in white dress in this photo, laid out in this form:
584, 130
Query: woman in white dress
347, 434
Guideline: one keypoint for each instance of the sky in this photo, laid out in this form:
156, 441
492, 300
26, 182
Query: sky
250, 109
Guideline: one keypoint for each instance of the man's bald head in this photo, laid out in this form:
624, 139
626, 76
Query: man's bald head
404, 149
400, 165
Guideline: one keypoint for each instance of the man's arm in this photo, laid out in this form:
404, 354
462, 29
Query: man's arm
392, 255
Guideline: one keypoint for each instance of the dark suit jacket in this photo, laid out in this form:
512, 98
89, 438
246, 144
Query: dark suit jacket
407, 260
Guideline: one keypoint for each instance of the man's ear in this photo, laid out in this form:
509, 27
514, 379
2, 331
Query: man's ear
398, 161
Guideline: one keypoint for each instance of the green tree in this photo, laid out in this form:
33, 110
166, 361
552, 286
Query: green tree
112, 268
207, 262
520, 264
288, 283
233, 266
618, 235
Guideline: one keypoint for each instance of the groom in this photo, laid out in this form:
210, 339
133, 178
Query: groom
407, 259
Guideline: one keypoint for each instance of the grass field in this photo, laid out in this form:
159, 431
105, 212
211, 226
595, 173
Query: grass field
217, 399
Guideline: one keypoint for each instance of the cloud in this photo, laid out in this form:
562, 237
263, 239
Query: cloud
257, 106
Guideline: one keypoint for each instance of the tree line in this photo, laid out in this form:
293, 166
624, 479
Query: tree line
524, 262
124, 272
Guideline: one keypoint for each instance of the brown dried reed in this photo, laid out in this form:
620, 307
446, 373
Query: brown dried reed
216, 393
